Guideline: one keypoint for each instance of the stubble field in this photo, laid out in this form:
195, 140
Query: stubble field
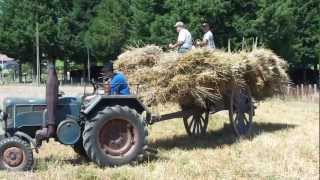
285, 145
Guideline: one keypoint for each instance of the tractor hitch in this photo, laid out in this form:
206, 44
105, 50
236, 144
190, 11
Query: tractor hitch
169, 116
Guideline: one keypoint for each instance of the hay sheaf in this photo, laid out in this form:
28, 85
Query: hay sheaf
265, 73
135, 58
202, 77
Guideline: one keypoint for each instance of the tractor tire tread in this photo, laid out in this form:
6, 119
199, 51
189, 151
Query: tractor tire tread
28, 152
90, 126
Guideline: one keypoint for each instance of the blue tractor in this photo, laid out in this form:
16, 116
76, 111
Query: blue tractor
109, 130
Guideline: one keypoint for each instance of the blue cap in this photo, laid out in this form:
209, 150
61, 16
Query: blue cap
108, 67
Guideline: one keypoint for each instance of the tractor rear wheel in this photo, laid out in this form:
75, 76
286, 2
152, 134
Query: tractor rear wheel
115, 136
15, 154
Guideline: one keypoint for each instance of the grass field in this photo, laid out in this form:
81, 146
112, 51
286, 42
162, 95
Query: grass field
285, 145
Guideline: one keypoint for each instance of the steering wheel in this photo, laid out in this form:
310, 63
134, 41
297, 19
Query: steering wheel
94, 85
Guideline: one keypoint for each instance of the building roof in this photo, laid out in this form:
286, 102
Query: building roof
4, 57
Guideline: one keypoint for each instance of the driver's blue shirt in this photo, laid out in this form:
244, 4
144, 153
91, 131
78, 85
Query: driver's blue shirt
119, 85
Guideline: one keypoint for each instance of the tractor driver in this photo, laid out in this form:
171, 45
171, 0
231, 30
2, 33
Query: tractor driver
117, 83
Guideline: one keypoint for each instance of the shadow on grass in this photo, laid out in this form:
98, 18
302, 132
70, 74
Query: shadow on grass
212, 139
79, 160
43, 164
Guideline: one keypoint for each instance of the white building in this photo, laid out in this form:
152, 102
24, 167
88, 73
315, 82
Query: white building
7, 63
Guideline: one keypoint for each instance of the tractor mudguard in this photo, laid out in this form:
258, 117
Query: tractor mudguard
29, 139
100, 102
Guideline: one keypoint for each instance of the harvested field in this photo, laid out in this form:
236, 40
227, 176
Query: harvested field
285, 146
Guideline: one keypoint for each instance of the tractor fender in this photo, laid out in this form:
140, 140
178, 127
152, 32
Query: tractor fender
102, 101
28, 138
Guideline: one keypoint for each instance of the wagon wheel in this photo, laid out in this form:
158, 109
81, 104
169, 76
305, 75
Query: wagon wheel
241, 111
196, 124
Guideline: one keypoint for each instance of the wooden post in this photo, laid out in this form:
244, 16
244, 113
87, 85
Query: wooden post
242, 43
253, 43
309, 90
2, 74
38, 58
229, 46
89, 64
302, 91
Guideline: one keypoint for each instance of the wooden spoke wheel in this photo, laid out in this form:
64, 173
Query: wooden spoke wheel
197, 123
241, 111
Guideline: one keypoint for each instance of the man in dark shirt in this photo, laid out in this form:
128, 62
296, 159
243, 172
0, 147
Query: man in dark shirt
118, 84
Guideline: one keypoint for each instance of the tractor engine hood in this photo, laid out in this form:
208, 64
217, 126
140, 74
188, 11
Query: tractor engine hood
10, 102
31, 112
26, 101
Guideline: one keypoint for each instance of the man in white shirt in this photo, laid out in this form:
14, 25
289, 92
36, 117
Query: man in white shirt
184, 42
208, 40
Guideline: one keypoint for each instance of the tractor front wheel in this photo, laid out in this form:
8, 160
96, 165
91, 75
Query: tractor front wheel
115, 136
15, 154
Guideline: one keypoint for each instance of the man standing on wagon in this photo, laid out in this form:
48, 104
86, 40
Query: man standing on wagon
184, 42
208, 39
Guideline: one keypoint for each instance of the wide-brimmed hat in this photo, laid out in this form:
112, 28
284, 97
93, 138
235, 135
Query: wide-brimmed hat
205, 25
179, 24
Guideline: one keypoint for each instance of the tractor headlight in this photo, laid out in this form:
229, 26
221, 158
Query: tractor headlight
3, 115
3, 118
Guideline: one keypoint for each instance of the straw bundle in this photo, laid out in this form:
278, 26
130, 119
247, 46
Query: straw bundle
203, 77
135, 58
265, 73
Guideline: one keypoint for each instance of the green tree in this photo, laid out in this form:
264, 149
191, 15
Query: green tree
68, 28
108, 31
62, 27
290, 28
16, 30
79, 19
306, 39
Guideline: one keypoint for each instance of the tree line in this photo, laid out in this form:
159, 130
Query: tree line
68, 29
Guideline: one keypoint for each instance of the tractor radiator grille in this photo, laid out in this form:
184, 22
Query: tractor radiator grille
29, 108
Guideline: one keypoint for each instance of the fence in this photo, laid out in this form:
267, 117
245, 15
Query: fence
303, 91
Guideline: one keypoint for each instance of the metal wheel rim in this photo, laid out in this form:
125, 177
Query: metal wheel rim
117, 137
13, 157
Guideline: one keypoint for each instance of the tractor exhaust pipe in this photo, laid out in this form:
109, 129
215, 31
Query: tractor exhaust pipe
52, 96
52, 93
48, 130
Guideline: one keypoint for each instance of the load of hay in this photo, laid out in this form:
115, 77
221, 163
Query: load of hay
202, 77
